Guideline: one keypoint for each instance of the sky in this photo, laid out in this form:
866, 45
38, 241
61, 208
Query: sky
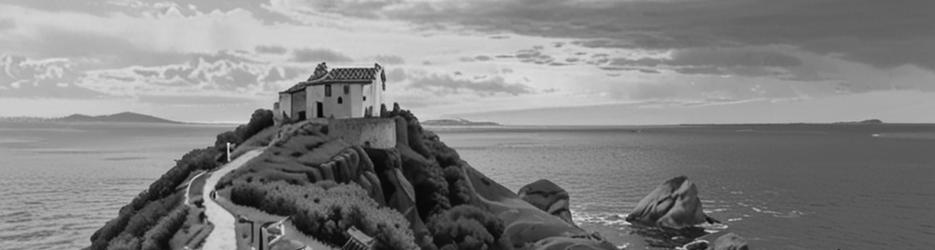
568, 62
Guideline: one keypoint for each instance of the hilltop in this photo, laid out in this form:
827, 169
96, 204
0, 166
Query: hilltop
309, 183
418, 194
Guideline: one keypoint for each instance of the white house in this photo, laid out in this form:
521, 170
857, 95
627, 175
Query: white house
334, 93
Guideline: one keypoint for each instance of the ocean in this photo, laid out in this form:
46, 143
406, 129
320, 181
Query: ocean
779, 186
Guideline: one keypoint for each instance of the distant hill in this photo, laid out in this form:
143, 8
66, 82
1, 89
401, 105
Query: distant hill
457, 122
870, 121
118, 117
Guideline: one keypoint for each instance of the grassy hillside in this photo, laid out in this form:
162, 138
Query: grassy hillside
419, 194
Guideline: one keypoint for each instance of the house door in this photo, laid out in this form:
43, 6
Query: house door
318, 110
302, 115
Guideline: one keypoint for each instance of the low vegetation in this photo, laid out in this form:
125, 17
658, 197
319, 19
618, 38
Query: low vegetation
442, 196
467, 227
150, 206
326, 210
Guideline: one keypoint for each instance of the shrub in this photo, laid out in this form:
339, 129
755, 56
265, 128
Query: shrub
428, 182
458, 191
203, 159
326, 213
467, 227
158, 237
124, 242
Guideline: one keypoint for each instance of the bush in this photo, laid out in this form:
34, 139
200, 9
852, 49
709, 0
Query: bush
158, 237
326, 213
203, 159
124, 242
458, 191
261, 119
467, 227
159, 189
428, 182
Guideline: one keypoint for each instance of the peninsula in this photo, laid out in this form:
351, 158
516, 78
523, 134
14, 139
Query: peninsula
332, 167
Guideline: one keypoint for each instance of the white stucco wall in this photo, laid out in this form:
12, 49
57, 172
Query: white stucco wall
313, 95
285, 104
298, 104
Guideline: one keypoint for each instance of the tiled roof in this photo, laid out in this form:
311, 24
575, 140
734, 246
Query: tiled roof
351, 74
323, 75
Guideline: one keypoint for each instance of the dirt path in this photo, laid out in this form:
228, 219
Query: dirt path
223, 235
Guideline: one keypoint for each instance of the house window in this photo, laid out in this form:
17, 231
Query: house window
340, 100
347, 89
365, 98
328, 90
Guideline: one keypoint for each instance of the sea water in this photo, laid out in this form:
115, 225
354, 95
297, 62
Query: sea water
779, 186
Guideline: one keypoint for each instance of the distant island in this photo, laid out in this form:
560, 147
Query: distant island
457, 122
863, 122
123, 117
868, 121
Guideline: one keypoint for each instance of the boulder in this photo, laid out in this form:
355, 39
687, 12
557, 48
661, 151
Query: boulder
729, 241
674, 204
549, 197
696, 245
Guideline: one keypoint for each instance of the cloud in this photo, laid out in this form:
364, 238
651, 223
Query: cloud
270, 49
319, 55
95, 49
226, 73
880, 33
194, 100
390, 59
51, 78
6, 24
446, 85
746, 61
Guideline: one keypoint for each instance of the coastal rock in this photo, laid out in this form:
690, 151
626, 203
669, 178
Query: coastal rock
729, 241
524, 224
549, 197
696, 245
674, 204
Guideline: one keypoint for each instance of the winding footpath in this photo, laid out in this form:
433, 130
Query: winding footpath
223, 236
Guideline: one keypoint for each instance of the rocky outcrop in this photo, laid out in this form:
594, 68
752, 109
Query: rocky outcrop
399, 193
526, 226
729, 241
674, 204
549, 197
726, 241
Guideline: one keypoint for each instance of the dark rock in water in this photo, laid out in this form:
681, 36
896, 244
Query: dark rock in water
549, 197
674, 204
729, 241
696, 245
564, 243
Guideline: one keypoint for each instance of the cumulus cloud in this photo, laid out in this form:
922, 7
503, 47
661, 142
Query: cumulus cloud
51, 78
228, 73
270, 49
319, 55
390, 59
485, 85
